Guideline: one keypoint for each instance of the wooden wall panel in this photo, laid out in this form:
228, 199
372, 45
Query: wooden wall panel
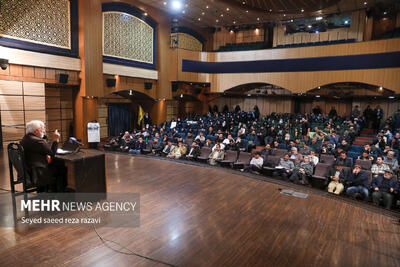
10, 87
12, 134
11, 102
36, 89
35, 115
10, 117
34, 102
52, 102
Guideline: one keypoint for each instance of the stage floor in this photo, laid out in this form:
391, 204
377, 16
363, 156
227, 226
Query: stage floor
199, 216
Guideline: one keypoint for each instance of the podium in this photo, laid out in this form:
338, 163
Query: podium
86, 171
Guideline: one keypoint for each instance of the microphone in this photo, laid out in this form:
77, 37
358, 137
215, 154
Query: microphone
73, 140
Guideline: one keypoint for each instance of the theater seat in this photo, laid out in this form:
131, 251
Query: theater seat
319, 179
365, 164
205, 152
243, 159
230, 158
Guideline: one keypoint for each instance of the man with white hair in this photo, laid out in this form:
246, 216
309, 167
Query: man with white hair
38, 154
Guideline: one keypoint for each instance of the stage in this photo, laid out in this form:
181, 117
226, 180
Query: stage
203, 216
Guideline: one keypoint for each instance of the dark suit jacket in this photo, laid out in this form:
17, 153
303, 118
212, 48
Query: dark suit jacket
347, 162
342, 176
195, 153
36, 149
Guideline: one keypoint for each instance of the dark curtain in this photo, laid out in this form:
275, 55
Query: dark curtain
119, 118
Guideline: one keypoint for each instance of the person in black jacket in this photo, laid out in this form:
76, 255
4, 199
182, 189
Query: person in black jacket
344, 160
39, 156
156, 147
384, 188
194, 151
358, 183
337, 175
138, 146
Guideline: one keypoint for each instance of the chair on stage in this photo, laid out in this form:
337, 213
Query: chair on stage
16, 161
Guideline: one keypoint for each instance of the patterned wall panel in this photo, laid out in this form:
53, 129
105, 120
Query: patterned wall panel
186, 41
127, 37
41, 25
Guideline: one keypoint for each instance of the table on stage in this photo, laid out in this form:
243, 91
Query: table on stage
86, 171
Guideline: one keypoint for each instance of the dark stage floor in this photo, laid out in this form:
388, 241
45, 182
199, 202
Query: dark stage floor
197, 216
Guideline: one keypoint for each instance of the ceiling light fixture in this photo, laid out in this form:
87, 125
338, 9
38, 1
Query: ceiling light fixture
302, 10
177, 5
318, 18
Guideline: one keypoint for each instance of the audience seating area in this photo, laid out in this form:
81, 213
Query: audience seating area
344, 41
287, 144
242, 46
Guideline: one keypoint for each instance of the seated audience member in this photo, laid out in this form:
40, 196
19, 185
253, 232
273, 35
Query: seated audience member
380, 143
221, 145
275, 145
255, 165
384, 188
314, 145
156, 147
126, 141
240, 145
228, 140
168, 148
379, 167
313, 159
285, 167
178, 151
337, 176
305, 150
365, 156
158, 137
267, 151
344, 160
386, 151
371, 150
216, 155
338, 151
301, 172
194, 151
295, 155
138, 146
391, 161
231, 145
208, 143
164, 140
357, 183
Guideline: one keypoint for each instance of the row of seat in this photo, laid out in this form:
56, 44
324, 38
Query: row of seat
344, 41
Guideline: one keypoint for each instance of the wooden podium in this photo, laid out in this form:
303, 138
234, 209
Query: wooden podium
86, 171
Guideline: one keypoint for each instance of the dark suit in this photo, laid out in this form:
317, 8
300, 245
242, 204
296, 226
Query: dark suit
342, 175
195, 152
43, 174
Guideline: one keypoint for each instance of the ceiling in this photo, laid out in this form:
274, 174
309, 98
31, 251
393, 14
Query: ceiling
217, 13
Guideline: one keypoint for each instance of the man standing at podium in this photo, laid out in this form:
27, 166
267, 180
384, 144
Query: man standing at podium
39, 156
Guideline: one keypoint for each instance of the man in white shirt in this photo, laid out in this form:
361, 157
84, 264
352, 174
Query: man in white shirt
255, 165
227, 140
313, 159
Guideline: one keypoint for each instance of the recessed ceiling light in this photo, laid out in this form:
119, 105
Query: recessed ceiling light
176, 5
206, 6
216, 20
202, 13
391, 97
243, 2
247, 11
145, 13
346, 22
309, 26
284, 15
291, 20
384, 13
199, 19
318, 18
380, 88
222, 15
365, 3
165, 3
317, 96
258, 18
270, 10
234, 22
227, 9
302, 10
